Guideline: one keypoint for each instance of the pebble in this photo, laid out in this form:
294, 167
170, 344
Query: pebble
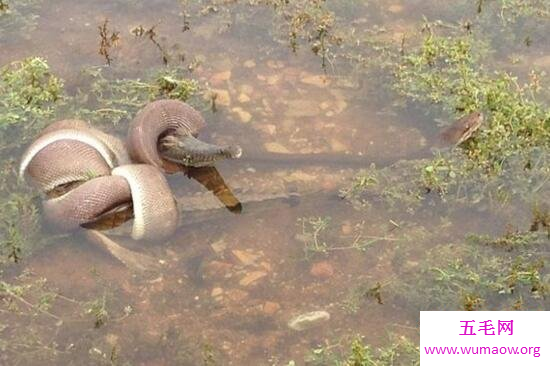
272, 79
341, 105
249, 64
270, 307
236, 295
324, 105
322, 270
300, 176
246, 258
243, 115
220, 77
217, 269
347, 229
302, 108
268, 128
272, 64
328, 185
252, 277
275, 147
222, 97
319, 81
308, 320
337, 146
395, 8
219, 246
111, 339
246, 89
243, 98
216, 291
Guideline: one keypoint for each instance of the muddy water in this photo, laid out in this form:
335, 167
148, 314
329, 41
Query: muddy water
228, 283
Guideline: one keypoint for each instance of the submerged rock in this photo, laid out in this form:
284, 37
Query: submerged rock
243, 115
249, 64
322, 270
275, 147
319, 81
252, 277
308, 320
222, 97
270, 307
302, 108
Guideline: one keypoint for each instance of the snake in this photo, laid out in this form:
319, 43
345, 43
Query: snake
85, 173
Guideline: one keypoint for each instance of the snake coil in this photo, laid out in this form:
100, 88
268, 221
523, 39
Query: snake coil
96, 172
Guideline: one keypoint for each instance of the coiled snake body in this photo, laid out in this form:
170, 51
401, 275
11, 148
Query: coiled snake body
87, 173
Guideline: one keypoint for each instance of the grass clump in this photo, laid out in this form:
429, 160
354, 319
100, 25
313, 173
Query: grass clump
446, 70
319, 237
396, 187
119, 99
30, 96
484, 274
399, 351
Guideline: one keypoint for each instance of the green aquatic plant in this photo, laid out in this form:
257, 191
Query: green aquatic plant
98, 309
447, 70
111, 99
396, 186
312, 22
312, 231
319, 238
30, 98
30, 95
398, 350
359, 294
34, 313
300, 23
444, 69
19, 217
485, 273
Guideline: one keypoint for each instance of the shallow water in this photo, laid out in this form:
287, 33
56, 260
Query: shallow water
229, 282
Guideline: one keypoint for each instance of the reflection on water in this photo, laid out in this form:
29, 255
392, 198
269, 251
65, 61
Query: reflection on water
261, 240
